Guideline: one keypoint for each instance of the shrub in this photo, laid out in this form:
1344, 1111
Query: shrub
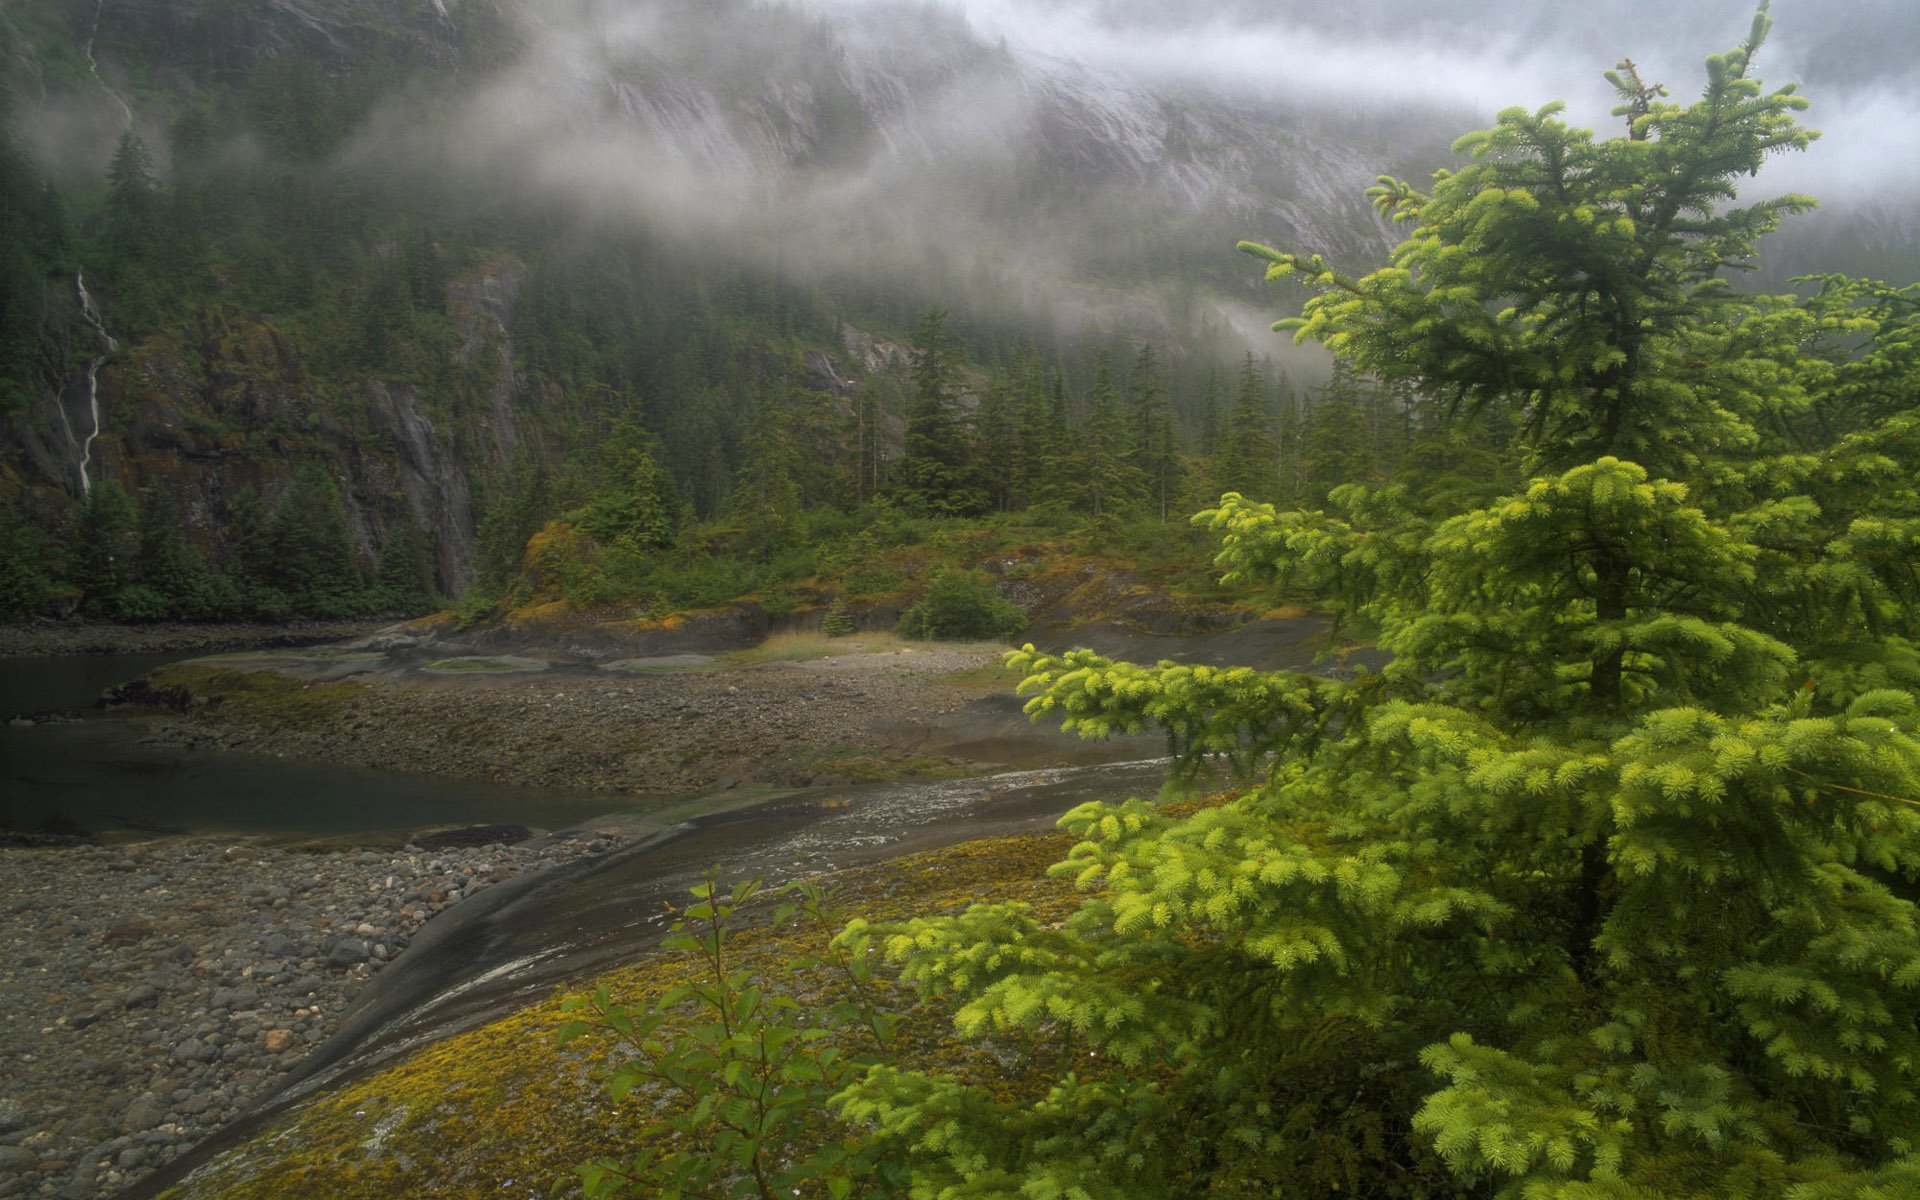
138, 602
731, 1080
838, 622
961, 605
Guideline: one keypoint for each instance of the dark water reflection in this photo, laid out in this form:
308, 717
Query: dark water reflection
97, 775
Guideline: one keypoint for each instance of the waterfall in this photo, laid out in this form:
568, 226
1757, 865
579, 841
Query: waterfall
92, 315
86, 51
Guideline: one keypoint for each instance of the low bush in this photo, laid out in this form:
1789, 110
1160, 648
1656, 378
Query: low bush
962, 605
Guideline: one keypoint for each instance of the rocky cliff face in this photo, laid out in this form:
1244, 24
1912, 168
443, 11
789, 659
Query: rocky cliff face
203, 414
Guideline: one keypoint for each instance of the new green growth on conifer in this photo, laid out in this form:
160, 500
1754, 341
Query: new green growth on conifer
1613, 869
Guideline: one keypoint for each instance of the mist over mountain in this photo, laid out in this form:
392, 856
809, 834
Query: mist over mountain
1041, 145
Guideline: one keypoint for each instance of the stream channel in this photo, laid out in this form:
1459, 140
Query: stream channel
516, 942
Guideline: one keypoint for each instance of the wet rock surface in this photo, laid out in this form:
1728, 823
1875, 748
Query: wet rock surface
151, 992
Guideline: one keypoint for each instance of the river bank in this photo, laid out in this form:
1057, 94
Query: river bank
871, 710
155, 991
46, 638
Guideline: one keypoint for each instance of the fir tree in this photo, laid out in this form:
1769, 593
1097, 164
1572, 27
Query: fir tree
133, 200
168, 563
1620, 846
635, 507
1155, 444
313, 559
106, 544
1244, 459
1000, 444
938, 474
1096, 472
766, 491
405, 575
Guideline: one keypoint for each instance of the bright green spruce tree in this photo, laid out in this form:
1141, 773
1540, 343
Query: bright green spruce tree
1605, 888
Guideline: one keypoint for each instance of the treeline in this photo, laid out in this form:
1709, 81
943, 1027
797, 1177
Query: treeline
828, 483
125, 558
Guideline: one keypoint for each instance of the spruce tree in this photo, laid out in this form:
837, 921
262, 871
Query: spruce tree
313, 560
938, 474
1244, 459
1604, 888
1000, 444
1155, 444
1094, 469
405, 575
168, 563
635, 507
133, 203
106, 545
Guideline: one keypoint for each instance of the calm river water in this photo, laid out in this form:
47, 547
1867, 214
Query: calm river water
97, 775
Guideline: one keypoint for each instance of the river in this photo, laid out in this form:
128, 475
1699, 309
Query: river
95, 775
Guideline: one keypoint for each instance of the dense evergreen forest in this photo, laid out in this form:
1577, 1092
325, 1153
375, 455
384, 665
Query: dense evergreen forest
249, 375
715, 451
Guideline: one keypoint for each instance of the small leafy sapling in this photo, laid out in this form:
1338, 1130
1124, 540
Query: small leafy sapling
728, 1080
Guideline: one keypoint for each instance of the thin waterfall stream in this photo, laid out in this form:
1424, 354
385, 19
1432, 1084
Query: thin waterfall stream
92, 315
93, 68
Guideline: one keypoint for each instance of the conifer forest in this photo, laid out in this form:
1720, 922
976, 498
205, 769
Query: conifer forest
1061, 601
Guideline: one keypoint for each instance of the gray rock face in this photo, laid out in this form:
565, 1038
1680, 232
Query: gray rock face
17, 1158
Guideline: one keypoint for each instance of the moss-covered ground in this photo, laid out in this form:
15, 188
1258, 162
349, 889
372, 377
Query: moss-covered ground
263, 698
499, 1111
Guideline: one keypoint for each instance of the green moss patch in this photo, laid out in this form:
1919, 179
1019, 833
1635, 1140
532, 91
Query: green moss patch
265, 698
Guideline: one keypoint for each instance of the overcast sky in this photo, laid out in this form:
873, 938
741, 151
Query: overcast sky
1857, 60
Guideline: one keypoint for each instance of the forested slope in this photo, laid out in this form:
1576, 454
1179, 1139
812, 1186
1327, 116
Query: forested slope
356, 253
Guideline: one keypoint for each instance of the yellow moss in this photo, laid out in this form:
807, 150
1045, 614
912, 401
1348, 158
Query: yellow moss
538, 612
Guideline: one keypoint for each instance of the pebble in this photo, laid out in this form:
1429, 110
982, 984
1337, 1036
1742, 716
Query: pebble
153, 992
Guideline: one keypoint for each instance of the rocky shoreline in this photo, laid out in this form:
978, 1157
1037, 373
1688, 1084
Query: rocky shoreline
849, 718
153, 992
47, 638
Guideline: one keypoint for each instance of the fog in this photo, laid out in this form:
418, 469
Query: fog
1857, 60
1025, 151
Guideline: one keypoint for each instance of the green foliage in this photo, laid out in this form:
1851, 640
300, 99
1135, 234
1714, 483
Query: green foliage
1094, 471
962, 605
1244, 460
1620, 848
728, 1080
939, 475
838, 620
312, 556
105, 545
26, 568
406, 572
33, 242
635, 508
